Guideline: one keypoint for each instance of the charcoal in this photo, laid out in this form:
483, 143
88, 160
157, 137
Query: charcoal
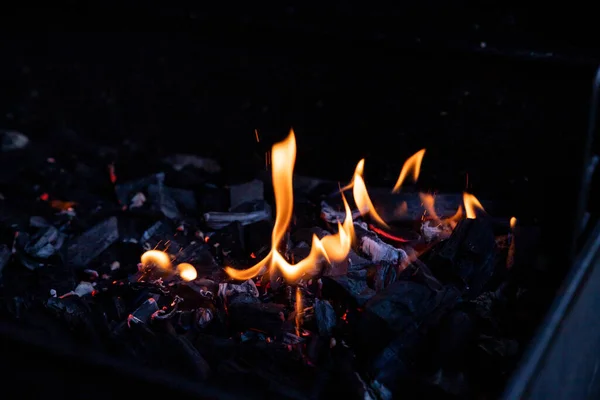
188, 359
44, 243
229, 241
257, 237
125, 191
382, 275
246, 193
356, 288
161, 235
325, 316
333, 216
156, 228
247, 312
162, 201
198, 254
229, 290
467, 258
185, 199
180, 161
144, 312
5, 254
12, 140
38, 222
90, 244
213, 198
76, 313
218, 220
376, 249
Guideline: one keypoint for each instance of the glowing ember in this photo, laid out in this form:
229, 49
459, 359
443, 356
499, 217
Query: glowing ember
471, 205
299, 311
187, 272
333, 248
513, 222
412, 164
156, 258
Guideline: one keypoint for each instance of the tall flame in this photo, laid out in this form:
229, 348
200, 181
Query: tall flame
471, 205
412, 164
361, 196
333, 248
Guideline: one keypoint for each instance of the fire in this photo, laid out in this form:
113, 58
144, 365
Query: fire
299, 310
428, 201
361, 196
513, 222
471, 205
412, 164
187, 272
331, 248
156, 257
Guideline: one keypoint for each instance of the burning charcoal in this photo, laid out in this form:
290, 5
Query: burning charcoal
247, 312
467, 258
356, 288
162, 201
90, 244
126, 191
246, 193
227, 290
433, 231
376, 249
5, 254
326, 318
333, 216
198, 254
144, 312
44, 243
180, 161
13, 140
158, 234
218, 220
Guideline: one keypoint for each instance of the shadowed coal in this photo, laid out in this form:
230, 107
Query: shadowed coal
418, 308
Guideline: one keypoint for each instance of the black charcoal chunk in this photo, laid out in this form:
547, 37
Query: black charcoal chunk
375, 248
12, 140
247, 312
144, 312
246, 193
44, 243
185, 199
198, 254
467, 258
126, 191
252, 213
90, 244
5, 253
326, 318
162, 201
356, 288
38, 222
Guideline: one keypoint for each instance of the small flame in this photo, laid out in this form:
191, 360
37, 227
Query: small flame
156, 257
361, 196
428, 201
333, 248
510, 258
412, 164
471, 205
299, 310
187, 272
513, 222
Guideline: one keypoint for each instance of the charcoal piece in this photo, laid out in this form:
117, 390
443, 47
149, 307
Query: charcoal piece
125, 191
230, 290
162, 201
186, 357
325, 316
213, 198
38, 222
376, 249
467, 258
161, 236
76, 313
247, 312
143, 313
5, 254
12, 140
90, 244
257, 237
382, 275
357, 289
185, 199
153, 230
229, 240
44, 243
198, 254
333, 216
180, 161
246, 193
218, 220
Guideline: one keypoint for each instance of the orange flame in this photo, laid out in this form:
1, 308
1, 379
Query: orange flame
428, 201
156, 257
361, 196
333, 248
299, 311
513, 222
412, 164
471, 205
187, 272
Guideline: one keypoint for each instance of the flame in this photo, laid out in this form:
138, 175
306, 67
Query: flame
333, 248
513, 222
471, 205
428, 201
299, 310
510, 257
413, 163
361, 196
187, 272
156, 257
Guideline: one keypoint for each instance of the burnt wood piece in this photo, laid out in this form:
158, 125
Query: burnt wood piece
354, 284
125, 191
325, 316
246, 192
90, 244
218, 220
247, 312
376, 249
467, 258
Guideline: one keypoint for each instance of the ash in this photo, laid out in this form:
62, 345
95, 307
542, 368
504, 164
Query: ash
420, 310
